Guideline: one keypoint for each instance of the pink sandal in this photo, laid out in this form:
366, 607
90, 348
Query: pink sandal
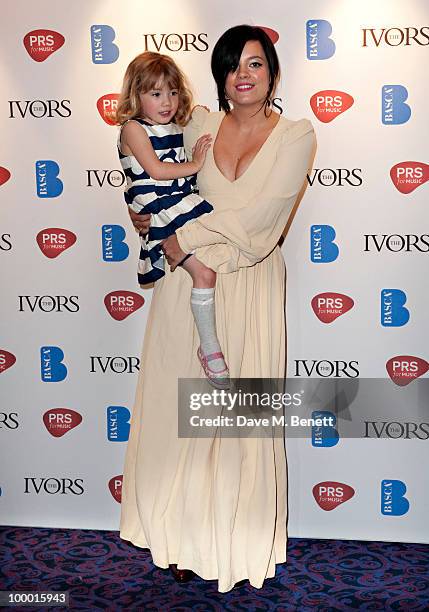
220, 380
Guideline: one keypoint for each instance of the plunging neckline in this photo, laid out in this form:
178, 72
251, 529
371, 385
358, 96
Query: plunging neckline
254, 157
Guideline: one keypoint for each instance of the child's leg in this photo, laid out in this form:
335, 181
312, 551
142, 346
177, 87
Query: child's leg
203, 309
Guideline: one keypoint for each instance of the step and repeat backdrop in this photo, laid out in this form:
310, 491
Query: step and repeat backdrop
73, 316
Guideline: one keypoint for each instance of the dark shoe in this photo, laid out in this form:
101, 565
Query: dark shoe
181, 575
240, 582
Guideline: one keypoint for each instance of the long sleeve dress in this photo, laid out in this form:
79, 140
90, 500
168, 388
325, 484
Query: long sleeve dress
217, 505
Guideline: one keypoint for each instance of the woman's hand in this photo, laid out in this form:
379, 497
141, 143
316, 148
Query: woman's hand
141, 222
173, 252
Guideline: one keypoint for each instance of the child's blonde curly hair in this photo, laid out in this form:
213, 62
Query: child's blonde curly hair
142, 74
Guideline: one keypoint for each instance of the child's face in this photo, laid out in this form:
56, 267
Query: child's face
159, 105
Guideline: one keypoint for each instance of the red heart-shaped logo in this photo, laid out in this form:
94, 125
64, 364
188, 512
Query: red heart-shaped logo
115, 487
329, 306
330, 103
403, 369
330, 494
120, 304
409, 175
107, 106
53, 241
40, 44
4, 175
273, 35
6, 360
58, 421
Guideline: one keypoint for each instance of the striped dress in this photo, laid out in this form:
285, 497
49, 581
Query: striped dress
171, 203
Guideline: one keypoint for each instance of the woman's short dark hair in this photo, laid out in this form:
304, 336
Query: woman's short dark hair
226, 57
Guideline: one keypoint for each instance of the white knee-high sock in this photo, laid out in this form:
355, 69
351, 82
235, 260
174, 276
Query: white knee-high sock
203, 309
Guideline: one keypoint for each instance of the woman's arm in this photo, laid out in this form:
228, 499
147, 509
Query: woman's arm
135, 138
230, 239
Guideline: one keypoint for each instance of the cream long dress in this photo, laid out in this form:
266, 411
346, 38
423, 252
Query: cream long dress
217, 505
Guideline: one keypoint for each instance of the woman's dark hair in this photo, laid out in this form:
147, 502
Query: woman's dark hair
226, 57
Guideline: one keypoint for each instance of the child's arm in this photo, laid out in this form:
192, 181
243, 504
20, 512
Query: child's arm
135, 141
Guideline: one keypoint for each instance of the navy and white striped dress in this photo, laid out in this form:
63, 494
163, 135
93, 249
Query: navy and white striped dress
171, 203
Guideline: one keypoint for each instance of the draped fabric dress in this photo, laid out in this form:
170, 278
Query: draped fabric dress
218, 505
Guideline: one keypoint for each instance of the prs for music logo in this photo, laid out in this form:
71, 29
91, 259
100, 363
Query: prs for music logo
329, 494
53, 241
329, 306
120, 304
40, 44
115, 488
6, 360
58, 421
408, 175
4, 175
329, 103
106, 106
403, 369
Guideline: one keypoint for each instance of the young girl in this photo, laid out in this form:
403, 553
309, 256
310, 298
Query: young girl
154, 104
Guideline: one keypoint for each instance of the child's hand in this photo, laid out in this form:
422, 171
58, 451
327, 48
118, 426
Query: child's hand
200, 149
200, 106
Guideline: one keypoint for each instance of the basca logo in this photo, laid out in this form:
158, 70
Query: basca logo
395, 430
53, 241
324, 368
39, 108
329, 306
47, 182
408, 175
322, 246
52, 368
118, 423
106, 106
9, 420
52, 485
58, 421
394, 37
328, 104
393, 500
272, 34
394, 111
104, 51
330, 494
120, 304
113, 245
393, 312
396, 242
48, 303
328, 177
6, 360
40, 44
115, 488
176, 42
4, 175
100, 178
324, 436
319, 45
403, 369
117, 365
5, 242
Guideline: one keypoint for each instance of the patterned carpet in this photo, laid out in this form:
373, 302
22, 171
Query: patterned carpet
102, 572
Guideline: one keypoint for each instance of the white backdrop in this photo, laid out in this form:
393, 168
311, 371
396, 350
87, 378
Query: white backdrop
49, 94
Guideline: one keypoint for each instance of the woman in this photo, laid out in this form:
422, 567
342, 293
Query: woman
217, 506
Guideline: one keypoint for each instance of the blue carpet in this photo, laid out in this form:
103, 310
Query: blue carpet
103, 572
